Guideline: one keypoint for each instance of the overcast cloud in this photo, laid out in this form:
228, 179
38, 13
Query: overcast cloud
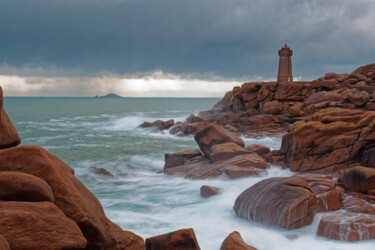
211, 40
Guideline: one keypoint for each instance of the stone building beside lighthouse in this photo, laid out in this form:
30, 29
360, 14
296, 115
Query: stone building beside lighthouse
285, 65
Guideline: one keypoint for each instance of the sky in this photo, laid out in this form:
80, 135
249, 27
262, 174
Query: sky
192, 48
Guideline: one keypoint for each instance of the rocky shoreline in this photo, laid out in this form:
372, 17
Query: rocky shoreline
328, 138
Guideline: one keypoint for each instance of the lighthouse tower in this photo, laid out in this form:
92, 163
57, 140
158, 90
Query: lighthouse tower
285, 65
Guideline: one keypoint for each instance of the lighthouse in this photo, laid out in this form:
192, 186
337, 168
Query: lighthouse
285, 65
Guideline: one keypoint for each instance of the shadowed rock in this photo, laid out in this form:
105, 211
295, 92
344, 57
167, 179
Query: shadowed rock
282, 202
359, 179
4, 245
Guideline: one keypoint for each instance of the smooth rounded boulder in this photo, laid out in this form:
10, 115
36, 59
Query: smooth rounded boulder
285, 202
38, 225
8, 134
183, 239
71, 196
16, 186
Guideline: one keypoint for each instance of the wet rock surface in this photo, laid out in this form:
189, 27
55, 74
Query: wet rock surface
183, 239
282, 202
347, 226
208, 191
234, 241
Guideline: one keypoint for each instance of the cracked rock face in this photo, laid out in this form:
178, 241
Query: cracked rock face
281, 202
329, 140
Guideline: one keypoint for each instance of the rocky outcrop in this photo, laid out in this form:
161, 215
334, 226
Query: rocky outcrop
259, 149
234, 241
208, 191
357, 205
70, 196
282, 202
8, 134
224, 153
347, 226
183, 239
212, 135
38, 225
329, 140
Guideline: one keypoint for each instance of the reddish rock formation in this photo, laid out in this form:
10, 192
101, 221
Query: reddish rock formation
158, 124
208, 191
259, 149
359, 179
213, 134
347, 226
4, 245
357, 205
283, 202
183, 239
329, 140
319, 183
329, 201
8, 134
15, 186
234, 241
38, 225
182, 158
71, 196
224, 151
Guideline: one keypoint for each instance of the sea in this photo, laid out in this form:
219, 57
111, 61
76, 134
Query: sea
104, 133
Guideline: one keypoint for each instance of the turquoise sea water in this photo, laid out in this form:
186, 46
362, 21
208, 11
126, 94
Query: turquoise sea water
85, 132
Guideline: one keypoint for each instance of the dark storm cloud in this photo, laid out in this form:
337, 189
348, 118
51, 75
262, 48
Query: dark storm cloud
227, 38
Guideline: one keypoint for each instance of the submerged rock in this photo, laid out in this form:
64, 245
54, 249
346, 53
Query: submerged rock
234, 241
101, 171
183, 239
208, 191
282, 202
347, 226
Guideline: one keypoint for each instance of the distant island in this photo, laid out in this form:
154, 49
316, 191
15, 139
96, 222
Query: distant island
110, 95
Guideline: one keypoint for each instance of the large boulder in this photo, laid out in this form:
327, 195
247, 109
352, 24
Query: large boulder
16, 186
359, 179
8, 134
71, 196
323, 96
213, 134
38, 225
234, 241
357, 205
282, 202
183, 239
347, 226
